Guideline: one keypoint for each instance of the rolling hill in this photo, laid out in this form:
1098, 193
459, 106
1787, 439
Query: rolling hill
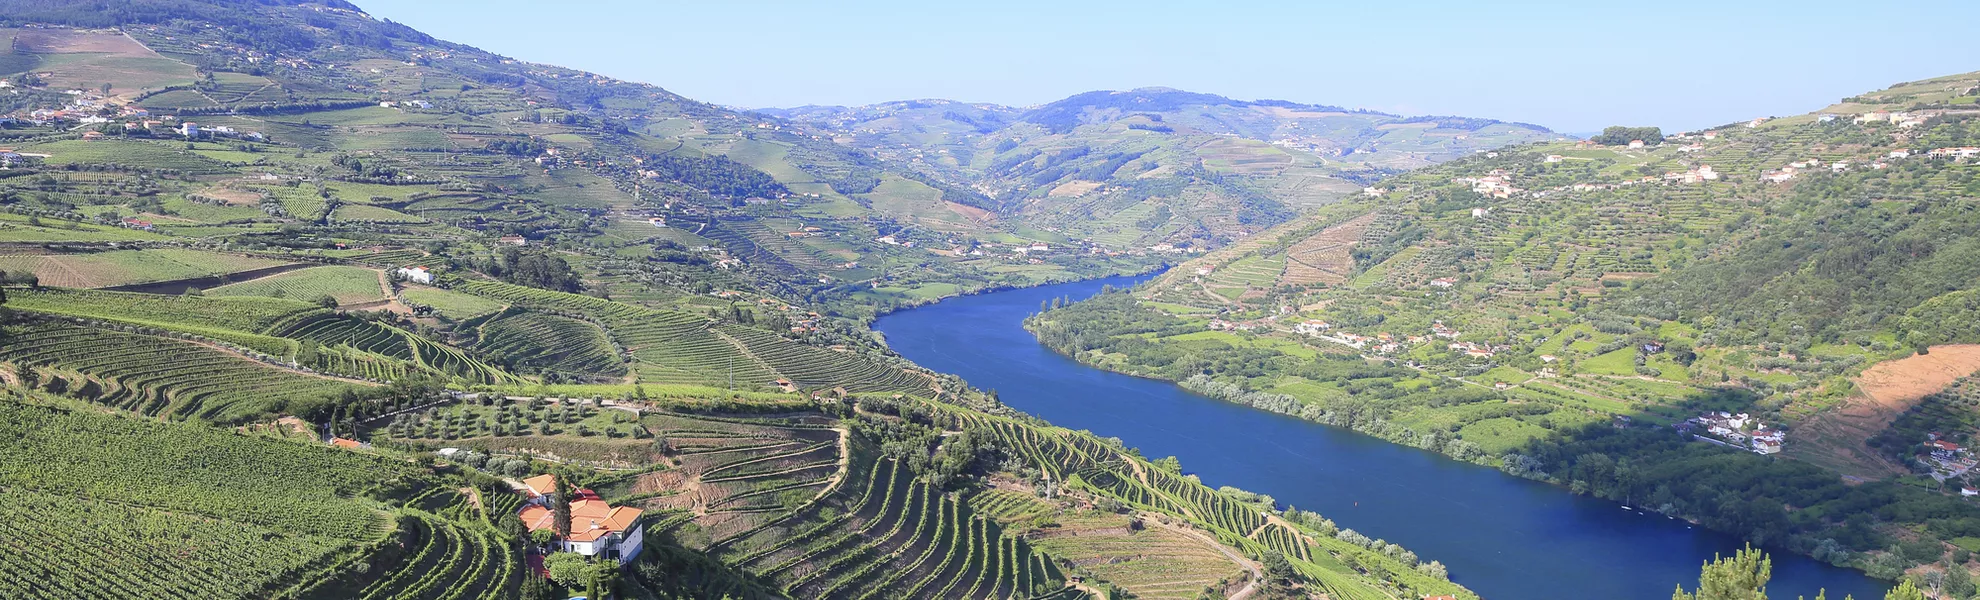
1155, 165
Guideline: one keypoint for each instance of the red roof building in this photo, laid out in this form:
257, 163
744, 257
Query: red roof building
597, 527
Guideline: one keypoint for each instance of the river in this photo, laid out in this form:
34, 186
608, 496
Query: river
1504, 537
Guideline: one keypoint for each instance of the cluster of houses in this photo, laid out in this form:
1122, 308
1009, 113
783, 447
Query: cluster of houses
1473, 349
1735, 430
1903, 120
1791, 170
1315, 145
1496, 184
1381, 343
89, 108
193, 131
1954, 153
1697, 174
1948, 459
1172, 249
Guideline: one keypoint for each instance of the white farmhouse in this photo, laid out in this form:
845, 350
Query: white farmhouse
598, 529
416, 274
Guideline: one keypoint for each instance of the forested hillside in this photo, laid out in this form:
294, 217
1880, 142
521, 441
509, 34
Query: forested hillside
1582, 312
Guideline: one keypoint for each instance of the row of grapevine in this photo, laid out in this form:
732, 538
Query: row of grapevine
340, 331
192, 468
810, 366
158, 376
332, 329
678, 347
109, 550
667, 346
892, 536
550, 342
458, 556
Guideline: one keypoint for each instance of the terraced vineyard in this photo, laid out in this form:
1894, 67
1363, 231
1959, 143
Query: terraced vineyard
666, 346
680, 347
756, 243
1084, 462
769, 496
236, 320
885, 535
160, 554
159, 376
811, 366
453, 552
550, 342
368, 338
734, 476
193, 511
389, 259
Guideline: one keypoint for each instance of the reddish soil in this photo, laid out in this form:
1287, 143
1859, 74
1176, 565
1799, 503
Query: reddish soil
1835, 439
1325, 257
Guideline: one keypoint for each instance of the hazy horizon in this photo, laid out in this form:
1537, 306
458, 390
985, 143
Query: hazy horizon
1566, 66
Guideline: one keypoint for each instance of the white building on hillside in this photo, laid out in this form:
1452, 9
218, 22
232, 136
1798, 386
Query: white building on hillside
416, 274
598, 529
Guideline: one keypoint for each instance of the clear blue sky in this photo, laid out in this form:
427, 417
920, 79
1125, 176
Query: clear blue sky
1573, 66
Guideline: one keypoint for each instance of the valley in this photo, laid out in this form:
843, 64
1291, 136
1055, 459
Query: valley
300, 302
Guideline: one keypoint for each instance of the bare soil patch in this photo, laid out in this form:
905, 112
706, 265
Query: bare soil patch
232, 196
61, 41
972, 213
1835, 439
1326, 256
1073, 188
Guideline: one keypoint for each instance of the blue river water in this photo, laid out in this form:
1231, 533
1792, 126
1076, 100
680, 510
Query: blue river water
1504, 537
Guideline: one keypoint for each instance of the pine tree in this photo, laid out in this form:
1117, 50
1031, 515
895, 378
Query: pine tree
1742, 577
1745, 575
1905, 591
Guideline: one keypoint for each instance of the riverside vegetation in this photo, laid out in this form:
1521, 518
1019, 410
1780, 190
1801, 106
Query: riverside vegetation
1561, 310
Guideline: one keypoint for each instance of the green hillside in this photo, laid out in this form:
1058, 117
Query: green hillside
292, 295
1557, 309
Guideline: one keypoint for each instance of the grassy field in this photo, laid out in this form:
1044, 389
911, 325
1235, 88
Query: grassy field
19, 228
125, 267
133, 153
359, 213
85, 59
349, 285
451, 304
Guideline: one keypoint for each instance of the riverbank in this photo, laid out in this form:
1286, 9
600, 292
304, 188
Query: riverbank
1504, 537
1150, 271
1610, 451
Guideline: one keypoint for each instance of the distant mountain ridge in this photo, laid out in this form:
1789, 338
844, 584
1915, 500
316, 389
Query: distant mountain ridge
1063, 114
1153, 166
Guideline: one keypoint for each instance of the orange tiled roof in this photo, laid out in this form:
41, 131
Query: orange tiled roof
344, 443
617, 519
537, 517
541, 485
591, 516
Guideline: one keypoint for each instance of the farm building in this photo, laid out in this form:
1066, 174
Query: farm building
416, 274
598, 529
